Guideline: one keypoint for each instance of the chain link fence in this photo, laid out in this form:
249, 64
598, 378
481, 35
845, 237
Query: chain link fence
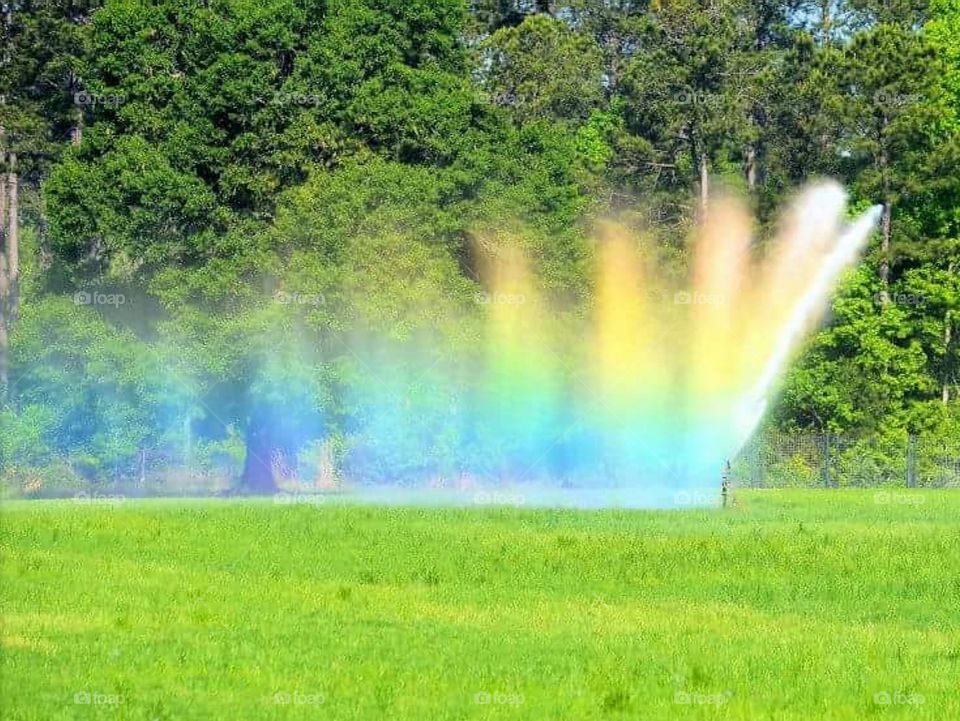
780, 460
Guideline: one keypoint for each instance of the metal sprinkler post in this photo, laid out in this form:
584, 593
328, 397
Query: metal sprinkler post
725, 484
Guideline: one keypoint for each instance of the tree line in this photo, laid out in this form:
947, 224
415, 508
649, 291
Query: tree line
170, 164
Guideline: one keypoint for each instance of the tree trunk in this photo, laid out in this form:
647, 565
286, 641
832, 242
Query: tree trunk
698, 157
885, 228
76, 132
13, 245
547, 7
826, 22
750, 167
886, 219
704, 184
946, 358
4, 280
10, 291
258, 476
614, 49
4, 359
949, 343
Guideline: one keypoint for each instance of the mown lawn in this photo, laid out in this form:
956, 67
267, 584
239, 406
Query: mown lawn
794, 605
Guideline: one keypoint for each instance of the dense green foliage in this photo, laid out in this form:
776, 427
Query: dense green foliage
837, 605
256, 184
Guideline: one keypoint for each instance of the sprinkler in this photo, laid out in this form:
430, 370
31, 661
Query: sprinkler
725, 484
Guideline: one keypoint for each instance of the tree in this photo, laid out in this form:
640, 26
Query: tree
9, 260
887, 73
542, 69
215, 113
298, 195
42, 41
684, 94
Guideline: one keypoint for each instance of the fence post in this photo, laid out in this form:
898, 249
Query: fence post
757, 463
825, 460
911, 461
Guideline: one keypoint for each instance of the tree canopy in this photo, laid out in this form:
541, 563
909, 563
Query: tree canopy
230, 209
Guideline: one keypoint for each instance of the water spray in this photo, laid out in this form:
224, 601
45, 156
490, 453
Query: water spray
640, 403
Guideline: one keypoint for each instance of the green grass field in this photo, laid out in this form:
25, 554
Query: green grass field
794, 605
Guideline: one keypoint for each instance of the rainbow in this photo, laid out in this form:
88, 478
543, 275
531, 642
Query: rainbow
656, 385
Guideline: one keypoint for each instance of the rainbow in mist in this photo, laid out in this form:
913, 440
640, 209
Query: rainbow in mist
643, 400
